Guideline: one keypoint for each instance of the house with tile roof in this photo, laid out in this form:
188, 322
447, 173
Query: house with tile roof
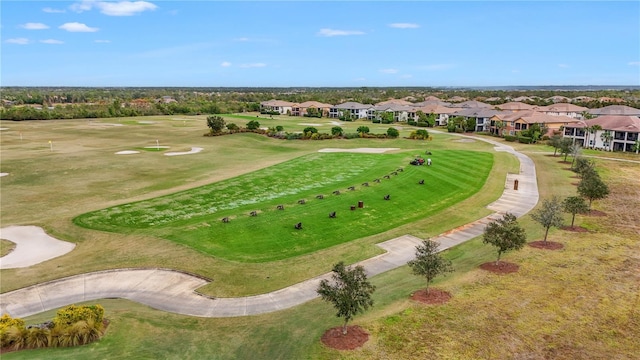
441, 112
276, 105
302, 108
621, 110
618, 133
515, 122
563, 109
481, 115
470, 104
514, 106
558, 99
400, 112
354, 109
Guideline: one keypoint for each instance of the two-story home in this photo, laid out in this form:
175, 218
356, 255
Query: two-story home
276, 105
441, 112
563, 109
615, 132
301, 109
354, 109
482, 116
615, 110
515, 106
400, 112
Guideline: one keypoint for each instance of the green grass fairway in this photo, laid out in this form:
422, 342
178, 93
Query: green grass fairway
193, 217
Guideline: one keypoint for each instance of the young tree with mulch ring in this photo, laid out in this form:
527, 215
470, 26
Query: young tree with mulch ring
350, 292
550, 214
505, 234
428, 262
574, 205
593, 188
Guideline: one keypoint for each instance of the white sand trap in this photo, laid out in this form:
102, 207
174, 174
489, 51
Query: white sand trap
3, 174
3, 129
127, 152
360, 150
464, 140
156, 147
337, 123
307, 124
105, 124
33, 246
194, 150
146, 122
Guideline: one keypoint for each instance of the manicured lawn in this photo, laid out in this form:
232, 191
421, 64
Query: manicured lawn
6, 247
192, 217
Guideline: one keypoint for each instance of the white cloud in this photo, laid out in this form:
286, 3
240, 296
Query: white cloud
389, 71
53, 11
404, 26
225, 64
34, 26
52, 41
77, 27
407, 76
333, 32
253, 65
122, 8
19, 41
564, 66
102, 41
634, 63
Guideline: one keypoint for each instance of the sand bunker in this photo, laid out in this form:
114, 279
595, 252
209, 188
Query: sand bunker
33, 246
360, 150
127, 152
3, 129
337, 123
104, 124
3, 174
307, 124
146, 122
464, 140
194, 150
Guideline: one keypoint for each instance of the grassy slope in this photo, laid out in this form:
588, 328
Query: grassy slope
6, 247
192, 217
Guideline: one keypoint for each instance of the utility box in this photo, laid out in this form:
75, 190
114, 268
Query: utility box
515, 184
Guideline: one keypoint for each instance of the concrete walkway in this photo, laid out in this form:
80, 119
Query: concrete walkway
176, 292
33, 246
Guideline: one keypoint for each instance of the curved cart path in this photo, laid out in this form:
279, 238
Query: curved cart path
33, 246
176, 292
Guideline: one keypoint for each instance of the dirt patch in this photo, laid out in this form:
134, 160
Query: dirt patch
355, 338
549, 245
434, 296
564, 162
574, 228
502, 267
596, 213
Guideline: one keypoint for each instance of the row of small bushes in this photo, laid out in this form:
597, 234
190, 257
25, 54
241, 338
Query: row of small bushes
72, 326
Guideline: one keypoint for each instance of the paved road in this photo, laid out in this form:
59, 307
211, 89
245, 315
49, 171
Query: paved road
176, 292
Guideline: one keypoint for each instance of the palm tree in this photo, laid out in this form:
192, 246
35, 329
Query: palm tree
606, 138
594, 129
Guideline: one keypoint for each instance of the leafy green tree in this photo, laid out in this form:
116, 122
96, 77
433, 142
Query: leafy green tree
470, 124
576, 151
584, 167
337, 131
593, 188
253, 125
636, 146
505, 234
566, 146
393, 132
574, 205
232, 127
363, 129
548, 215
215, 123
606, 138
350, 291
421, 134
428, 262
310, 129
556, 142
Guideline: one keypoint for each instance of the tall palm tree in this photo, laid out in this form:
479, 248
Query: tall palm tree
606, 138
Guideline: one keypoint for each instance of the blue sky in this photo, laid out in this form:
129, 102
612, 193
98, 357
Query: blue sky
307, 43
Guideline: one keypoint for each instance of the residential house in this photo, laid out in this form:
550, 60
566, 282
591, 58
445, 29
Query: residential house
563, 109
395, 102
503, 123
481, 115
400, 112
514, 106
582, 99
441, 112
355, 109
558, 99
302, 108
618, 132
621, 110
283, 107
472, 104
457, 99
552, 123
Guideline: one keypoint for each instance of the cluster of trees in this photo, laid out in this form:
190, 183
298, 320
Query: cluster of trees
72, 326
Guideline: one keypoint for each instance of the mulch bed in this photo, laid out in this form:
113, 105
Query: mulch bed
574, 228
355, 338
549, 245
434, 296
596, 213
502, 267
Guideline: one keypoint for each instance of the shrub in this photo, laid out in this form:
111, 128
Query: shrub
253, 125
412, 122
72, 314
387, 121
310, 129
232, 127
525, 139
422, 124
458, 130
376, 121
393, 132
510, 138
351, 135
